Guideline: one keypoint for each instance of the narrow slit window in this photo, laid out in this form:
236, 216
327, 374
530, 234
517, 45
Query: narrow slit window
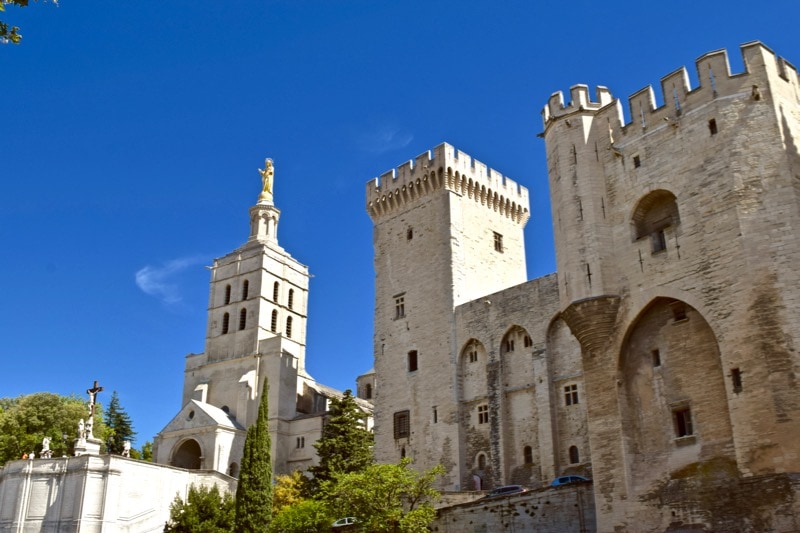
656, 355
289, 327
637, 161
736, 379
242, 319
245, 289
226, 319
273, 324
291, 299
412, 361
275, 288
368, 391
409, 234
712, 126
227, 294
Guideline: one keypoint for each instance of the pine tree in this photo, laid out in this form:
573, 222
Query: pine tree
120, 426
254, 493
346, 443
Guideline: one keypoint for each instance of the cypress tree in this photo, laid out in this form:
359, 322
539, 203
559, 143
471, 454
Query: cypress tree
119, 422
254, 493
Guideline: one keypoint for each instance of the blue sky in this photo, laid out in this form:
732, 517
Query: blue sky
133, 132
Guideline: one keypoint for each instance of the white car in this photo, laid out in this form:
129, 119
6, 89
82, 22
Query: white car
343, 522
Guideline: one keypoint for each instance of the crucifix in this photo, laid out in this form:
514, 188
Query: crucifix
92, 397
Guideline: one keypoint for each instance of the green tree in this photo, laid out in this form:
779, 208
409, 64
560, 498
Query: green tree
204, 511
385, 497
119, 425
11, 33
146, 453
254, 493
304, 516
27, 419
346, 443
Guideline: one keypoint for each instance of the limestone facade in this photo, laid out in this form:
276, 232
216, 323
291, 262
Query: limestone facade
660, 359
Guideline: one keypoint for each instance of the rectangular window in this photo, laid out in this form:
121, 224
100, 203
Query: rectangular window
571, 395
659, 241
683, 422
498, 242
637, 161
399, 306
736, 378
412, 361
301, 442
473, 356
409, 234
527, 341
483, 414
712, 126
509, 345
401, 425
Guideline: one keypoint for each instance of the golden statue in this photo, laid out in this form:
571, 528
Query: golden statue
267, 177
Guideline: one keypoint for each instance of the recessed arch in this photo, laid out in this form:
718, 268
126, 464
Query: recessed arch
654, 212
187, 455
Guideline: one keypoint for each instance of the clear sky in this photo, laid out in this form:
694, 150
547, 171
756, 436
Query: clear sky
133, 131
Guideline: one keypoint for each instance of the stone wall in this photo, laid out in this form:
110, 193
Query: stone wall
567, 508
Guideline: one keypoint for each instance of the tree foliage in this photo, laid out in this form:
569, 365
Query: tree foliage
11, 33
304, 516
288, 490
204, 511
346, 443
254, 493
386, 497
119, 424
27, 419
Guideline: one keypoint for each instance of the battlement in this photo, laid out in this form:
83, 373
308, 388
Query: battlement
762, 66
448, 168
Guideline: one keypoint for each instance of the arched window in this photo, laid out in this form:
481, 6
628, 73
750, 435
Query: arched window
242, 318
574, 456
233, 470
481, 461
653, 214
289, 327
291, 298
273, 325
245, 289
226, 320
227, 294
368, 391
527, 453
275, 288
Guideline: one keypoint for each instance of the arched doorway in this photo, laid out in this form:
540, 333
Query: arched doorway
188, 455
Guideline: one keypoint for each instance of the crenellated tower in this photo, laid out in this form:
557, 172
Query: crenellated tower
677, 248
447, 229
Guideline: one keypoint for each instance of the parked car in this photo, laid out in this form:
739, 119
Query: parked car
344, 522
506, 490
566, 480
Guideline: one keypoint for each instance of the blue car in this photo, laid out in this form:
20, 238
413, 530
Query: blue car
566, 480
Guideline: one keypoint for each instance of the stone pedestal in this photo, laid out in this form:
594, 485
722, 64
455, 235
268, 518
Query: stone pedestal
89, 446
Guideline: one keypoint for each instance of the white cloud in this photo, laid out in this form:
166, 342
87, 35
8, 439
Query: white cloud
162, 281
382, 138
